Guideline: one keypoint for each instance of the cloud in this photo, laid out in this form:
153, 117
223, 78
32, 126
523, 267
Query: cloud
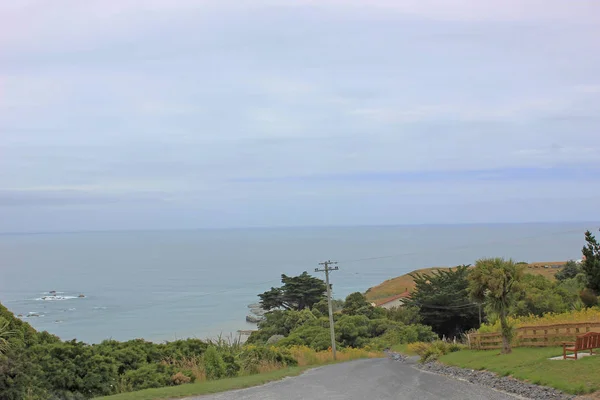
236, 111
580, 174
64, 198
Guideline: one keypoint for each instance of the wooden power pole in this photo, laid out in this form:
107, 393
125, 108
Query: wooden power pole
326, 269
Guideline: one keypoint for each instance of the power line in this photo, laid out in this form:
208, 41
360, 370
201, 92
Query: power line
458, 307
457, 247
358, 274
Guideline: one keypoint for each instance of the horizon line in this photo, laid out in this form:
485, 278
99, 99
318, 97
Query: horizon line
239, 228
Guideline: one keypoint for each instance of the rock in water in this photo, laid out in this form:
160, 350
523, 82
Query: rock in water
253, 319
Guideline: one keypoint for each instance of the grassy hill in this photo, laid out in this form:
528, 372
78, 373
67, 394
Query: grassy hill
402, 283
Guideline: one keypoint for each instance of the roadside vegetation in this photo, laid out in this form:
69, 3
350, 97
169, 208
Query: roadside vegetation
37, 365
295, 335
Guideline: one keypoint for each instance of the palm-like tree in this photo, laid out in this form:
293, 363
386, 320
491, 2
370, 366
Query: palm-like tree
496, 281
5, 334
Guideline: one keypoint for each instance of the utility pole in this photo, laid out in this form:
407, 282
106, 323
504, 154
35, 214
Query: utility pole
326, 269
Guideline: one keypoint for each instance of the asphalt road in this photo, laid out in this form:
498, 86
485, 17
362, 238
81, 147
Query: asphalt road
373, 379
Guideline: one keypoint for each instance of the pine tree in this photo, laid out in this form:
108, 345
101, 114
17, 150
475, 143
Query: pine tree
591, 262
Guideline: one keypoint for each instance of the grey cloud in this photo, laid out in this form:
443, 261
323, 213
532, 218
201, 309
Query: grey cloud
63, 198
187, 100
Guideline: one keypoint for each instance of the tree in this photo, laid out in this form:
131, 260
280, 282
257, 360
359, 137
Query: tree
569, 271
496, 281
539, 295
354, 302
408, 315
297, 293
443, 300
357, 304
591, 262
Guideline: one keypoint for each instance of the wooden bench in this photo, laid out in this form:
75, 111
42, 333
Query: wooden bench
589, 341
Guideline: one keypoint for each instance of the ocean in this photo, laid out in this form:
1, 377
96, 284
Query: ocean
164, 285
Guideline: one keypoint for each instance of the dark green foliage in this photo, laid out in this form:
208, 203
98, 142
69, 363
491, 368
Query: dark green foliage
591, 263
252, 357
297, 293
315, 336
149, 376
588, 297
355, 303
280, 322
408, 315
353, 330
20, 376
443, 300
497, 282
38, 366
75, 367
569, 271
538, 295
214, 364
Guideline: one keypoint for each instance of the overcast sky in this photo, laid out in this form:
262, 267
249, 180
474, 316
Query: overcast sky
190, 114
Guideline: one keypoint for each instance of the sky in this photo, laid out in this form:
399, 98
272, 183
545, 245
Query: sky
162, 114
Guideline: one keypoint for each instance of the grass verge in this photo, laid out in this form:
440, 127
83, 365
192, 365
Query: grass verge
208, 387
403, 349
532, 365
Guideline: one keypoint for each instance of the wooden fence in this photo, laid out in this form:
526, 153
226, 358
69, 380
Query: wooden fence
534, 336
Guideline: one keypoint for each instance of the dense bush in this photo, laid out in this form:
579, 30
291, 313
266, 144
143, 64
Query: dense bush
253, 357
570, 270
443, 301
38, 366
539, 295
358, 325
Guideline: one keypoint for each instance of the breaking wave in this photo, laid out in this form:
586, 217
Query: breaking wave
56, 298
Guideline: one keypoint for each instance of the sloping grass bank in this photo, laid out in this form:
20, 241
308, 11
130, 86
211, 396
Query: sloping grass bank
533, 365
394, 286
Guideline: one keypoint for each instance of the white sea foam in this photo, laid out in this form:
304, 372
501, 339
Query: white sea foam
55, 298
31, 314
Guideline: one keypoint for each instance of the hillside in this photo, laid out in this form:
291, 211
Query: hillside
405, 282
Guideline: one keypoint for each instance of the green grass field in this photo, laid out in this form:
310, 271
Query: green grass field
208, 387
532, 365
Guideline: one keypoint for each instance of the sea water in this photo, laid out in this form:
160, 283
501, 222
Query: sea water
163, 285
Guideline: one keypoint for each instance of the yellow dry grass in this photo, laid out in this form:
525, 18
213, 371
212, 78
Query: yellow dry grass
398, 285
194, 364
307, 356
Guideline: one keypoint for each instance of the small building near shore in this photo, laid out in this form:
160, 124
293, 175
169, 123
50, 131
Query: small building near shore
393, 301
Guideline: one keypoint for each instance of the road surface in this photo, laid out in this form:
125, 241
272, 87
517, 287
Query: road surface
371, 379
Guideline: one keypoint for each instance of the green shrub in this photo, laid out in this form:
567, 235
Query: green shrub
433, 350
148, 376
213, 364
254, 356
589, 298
